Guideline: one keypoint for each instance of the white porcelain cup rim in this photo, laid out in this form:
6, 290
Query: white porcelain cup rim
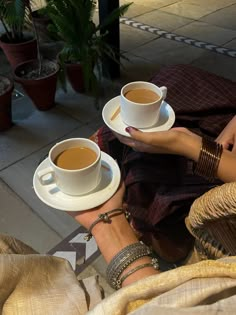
77, 181
141, 115
69, 140
150, 84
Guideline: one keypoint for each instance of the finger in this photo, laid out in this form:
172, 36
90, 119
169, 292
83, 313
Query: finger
219, 139
224, 143
234, 148
137, 134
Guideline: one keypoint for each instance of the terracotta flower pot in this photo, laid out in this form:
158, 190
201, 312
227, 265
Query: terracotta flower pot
41, 90
5, 104
19, 52
74, 74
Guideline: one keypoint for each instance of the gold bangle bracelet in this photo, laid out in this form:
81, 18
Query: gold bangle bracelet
209, 159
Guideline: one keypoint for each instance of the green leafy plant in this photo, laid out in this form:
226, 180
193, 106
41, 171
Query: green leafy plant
14, 15
84, 41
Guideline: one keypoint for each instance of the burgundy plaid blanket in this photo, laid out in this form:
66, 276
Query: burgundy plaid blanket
161, 188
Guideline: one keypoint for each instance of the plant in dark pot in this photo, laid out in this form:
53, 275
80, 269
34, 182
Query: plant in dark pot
84, 42
42, 21
17, 43
6, 88
38, 77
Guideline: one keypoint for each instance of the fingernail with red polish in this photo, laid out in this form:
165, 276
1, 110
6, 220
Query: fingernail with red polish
129, 129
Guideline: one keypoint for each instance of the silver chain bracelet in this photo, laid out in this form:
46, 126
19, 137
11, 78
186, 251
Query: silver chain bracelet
123, 259
106, 218
153, 264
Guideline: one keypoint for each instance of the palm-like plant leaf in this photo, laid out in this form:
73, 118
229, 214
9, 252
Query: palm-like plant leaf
114, 16
13, 15
84, 41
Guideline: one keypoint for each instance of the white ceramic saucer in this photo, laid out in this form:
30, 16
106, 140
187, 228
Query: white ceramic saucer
166, 121
53, 197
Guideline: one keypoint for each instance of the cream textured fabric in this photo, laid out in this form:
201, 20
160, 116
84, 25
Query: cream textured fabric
212, 221
40, 284
33, 284
207, 288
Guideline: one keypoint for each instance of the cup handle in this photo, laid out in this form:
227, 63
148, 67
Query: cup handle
46, 176
164, 91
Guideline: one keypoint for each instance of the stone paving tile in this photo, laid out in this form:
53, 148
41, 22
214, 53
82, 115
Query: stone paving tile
231, 44
32, 132
79, 106
154, 4
188, 10
224, 18
18, 220
209, 33
215, 63
131, 38
163, 20
213, 4
136, 9
166, 52
138, 68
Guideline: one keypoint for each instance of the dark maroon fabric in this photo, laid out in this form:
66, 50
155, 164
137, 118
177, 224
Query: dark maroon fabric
201, 100
161, 188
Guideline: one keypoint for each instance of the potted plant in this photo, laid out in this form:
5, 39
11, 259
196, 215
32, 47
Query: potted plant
6, 88
84, 41
38, 76
17, 44
39, 82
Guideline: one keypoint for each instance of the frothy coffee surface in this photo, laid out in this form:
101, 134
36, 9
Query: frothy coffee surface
142, 96
75, 158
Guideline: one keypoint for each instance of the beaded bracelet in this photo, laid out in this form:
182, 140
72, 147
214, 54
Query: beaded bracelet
123, 259
209, 159
106, 218
153, 264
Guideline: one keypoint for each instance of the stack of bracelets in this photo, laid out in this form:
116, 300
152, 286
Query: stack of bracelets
126, 256
123, 259
209, 159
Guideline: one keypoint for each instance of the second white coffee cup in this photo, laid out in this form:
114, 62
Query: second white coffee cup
139, 111
73, 181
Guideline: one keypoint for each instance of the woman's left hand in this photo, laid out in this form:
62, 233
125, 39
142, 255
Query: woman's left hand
162, 142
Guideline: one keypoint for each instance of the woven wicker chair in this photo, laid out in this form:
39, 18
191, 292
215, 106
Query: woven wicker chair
212, 221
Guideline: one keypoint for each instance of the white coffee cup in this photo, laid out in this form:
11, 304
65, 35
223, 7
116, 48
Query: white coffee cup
72, 182
141, 115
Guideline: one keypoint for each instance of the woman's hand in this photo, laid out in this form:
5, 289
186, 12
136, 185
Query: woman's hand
166, 142
228, 136
87, 217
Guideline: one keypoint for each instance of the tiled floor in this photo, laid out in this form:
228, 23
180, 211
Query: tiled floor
22, 214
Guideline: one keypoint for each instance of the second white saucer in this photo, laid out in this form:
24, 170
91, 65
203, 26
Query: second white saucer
166, 121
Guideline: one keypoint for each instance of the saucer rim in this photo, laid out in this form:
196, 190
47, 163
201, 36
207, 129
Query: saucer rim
171, 119
92, 202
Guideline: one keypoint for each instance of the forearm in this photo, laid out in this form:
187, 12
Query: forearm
190, 146
112, 237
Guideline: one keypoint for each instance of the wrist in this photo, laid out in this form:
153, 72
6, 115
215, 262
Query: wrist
113, 237
189, 145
